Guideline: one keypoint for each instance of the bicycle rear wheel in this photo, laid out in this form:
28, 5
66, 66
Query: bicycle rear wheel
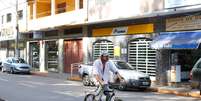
89, 97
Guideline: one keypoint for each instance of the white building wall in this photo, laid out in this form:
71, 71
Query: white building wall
8, 29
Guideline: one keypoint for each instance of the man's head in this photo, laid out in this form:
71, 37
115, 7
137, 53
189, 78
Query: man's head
104, 55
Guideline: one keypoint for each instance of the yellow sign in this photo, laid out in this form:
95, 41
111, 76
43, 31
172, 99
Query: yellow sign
132, 29
117, 51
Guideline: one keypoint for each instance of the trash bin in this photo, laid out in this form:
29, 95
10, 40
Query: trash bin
175, 73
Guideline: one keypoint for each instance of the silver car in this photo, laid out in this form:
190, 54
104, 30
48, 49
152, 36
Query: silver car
15, 65
133, 78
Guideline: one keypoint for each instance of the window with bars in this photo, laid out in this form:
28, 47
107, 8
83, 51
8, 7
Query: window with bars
141, 56
101, 45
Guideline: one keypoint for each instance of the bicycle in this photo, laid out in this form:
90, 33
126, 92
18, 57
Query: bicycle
97, 95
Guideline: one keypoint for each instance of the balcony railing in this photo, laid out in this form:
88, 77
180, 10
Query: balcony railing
57, 20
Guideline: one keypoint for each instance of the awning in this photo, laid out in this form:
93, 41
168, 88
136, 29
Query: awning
177, 40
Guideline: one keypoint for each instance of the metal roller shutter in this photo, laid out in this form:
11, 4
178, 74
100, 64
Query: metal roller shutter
103, 45
141, 56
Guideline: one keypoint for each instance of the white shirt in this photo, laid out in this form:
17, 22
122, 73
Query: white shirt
98, 70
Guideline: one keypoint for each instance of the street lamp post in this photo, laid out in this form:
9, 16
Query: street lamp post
17, 32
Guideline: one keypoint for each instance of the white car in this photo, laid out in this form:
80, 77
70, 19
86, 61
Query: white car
15, 65
133, 78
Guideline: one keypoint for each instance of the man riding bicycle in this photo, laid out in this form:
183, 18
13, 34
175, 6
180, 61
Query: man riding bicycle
101, 71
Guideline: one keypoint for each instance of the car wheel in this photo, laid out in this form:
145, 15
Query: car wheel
86, 80
2, 69
12, 71
122, 86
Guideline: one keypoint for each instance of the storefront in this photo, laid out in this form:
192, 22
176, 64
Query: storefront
43, 52
73, 47
179, 45
73, 53
129, 43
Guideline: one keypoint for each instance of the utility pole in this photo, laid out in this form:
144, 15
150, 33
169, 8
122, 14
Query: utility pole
17, 32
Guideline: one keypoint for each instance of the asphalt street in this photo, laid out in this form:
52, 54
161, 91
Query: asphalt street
19, 87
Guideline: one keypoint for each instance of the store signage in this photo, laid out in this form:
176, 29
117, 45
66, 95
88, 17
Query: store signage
183, 23
119, 30
181, 3
7, 33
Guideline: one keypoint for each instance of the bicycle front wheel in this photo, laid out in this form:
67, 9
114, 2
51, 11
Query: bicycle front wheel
113, 98
89, 97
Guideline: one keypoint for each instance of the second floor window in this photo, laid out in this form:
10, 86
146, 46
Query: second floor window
81, 4
20, 15
9, 17
61, 8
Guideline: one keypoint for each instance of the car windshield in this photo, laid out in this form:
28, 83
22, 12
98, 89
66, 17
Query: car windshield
18, 60
123, 65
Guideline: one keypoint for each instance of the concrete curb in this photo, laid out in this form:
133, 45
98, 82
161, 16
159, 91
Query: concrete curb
186, 93
40, 74
74, 78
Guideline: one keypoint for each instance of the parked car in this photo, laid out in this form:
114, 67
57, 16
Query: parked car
0, 65
196, 72
133, 78
15, 65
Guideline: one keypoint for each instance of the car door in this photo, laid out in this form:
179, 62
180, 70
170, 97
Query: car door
5, 64
196, 72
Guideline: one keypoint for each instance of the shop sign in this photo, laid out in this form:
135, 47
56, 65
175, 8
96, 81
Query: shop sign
181, 3
7, 33
183, 23
119, 30
131, 29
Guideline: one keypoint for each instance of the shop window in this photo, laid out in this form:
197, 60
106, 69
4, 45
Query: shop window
103, 45
34, 55
9, 17
141, 56
61, 8
52, 56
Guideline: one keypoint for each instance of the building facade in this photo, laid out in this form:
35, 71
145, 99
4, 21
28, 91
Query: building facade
56, 29
8, 27
154, 36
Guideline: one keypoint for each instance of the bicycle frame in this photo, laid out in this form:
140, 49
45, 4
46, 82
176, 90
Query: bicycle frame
99, 92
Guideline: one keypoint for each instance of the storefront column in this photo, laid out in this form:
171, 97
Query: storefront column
163, 65
52, 7
61, 55
28, 52
85, 50
77, 4
42, 56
